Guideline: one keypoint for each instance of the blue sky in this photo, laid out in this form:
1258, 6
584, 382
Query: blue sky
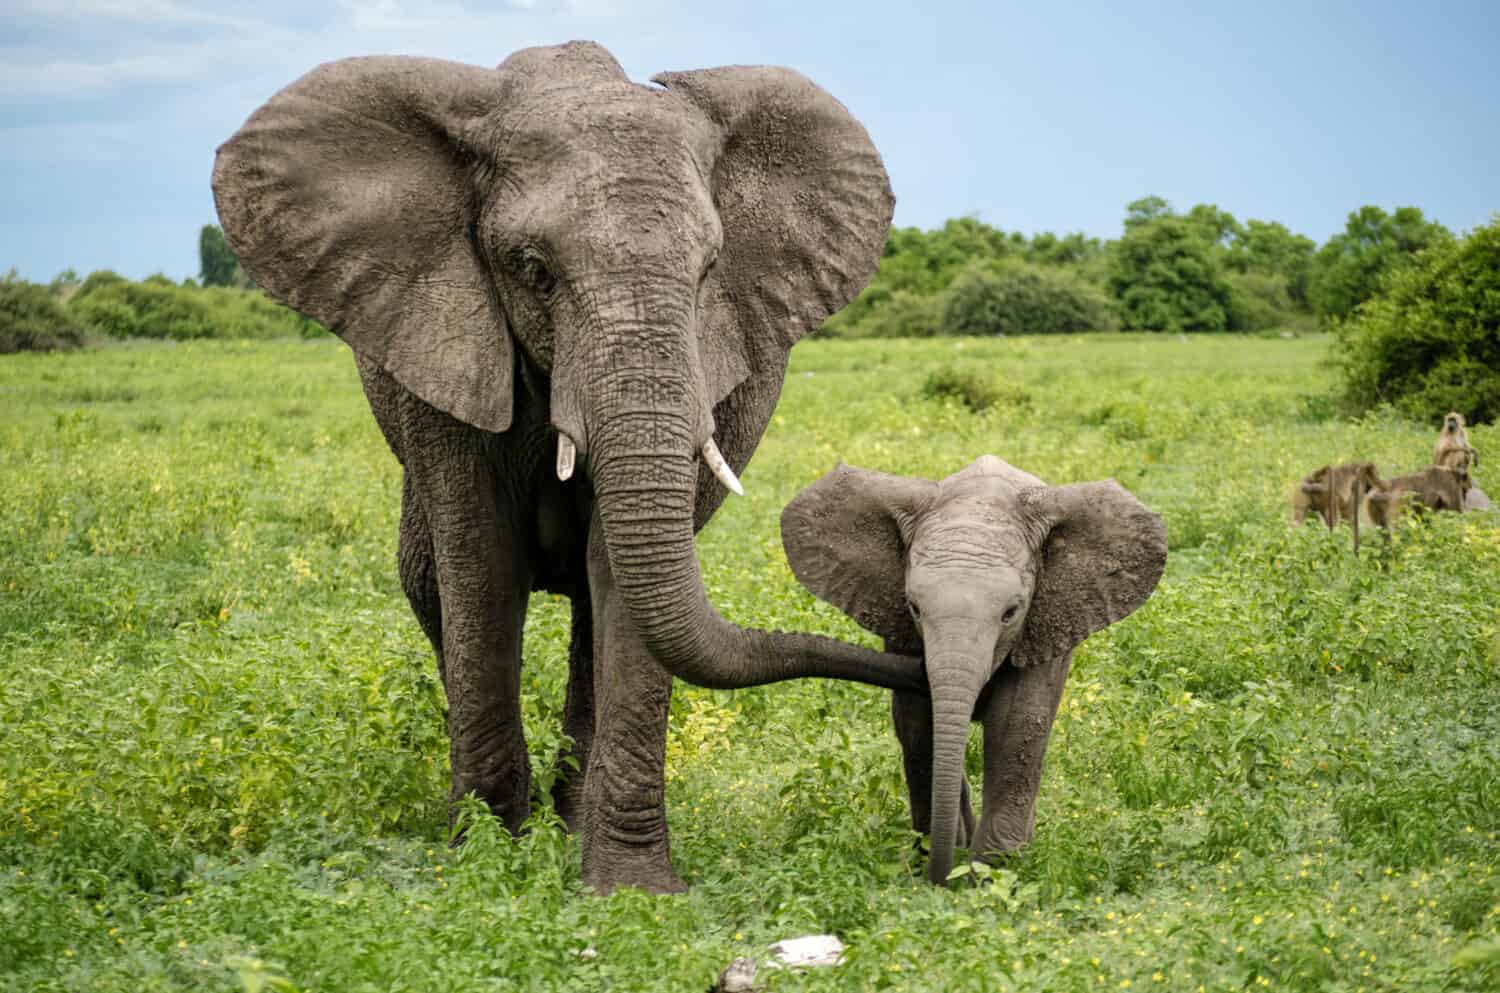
1032, 116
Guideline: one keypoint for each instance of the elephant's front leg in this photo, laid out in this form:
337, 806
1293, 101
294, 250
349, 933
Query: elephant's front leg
482, 583
1017, 725
912, 714
625, 817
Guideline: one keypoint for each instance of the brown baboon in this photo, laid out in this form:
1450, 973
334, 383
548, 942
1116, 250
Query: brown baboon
1335, 493
1453, 450
1434, 488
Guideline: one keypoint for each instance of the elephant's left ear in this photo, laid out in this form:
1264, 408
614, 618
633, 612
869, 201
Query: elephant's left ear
805, 205
1102, 557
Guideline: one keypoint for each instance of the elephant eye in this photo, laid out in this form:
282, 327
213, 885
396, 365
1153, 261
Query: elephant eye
1010, 613
534, 270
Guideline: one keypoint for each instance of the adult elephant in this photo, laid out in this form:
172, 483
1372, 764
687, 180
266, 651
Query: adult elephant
547, 261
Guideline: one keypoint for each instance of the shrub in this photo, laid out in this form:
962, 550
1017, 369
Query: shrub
964, 385
1430, 342
31, 320
1014, 297
157, 308
1259, 301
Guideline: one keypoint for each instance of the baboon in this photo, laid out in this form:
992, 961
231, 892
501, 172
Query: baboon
1335, 493
1434, 488
1453, 450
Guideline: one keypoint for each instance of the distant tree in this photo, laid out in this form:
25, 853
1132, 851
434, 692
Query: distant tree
1165, 275
1429, 341
217, 265
1267, 247
1218, 226
1046, 248
1350, 267
1145, 210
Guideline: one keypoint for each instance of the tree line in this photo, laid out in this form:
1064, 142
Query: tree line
1198, 271
1414, 309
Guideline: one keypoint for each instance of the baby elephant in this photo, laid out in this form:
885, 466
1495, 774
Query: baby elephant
994, 577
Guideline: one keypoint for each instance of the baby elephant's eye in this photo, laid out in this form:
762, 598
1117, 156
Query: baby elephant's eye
1010, 613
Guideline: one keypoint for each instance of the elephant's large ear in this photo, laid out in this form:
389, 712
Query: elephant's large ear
804, 202
344, 197
843, 537
1103, 555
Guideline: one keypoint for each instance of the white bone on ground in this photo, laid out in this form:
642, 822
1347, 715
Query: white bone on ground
812, 951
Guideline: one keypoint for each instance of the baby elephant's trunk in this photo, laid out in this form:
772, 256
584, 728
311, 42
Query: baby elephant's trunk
955, 679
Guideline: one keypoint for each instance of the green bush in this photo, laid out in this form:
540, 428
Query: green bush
31, 320
1259, 301
1430, 342
1014, 297
964, 385
158, 308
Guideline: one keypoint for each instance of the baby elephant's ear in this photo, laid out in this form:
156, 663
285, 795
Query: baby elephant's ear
1103, 555
843, 539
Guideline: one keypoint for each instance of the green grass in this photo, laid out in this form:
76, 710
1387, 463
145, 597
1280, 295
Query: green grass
222, 756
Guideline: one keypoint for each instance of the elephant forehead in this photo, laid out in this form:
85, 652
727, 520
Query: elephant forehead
974, 538
632, 127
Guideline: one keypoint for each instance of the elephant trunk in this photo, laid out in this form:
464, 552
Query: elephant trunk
956, 678
643, 451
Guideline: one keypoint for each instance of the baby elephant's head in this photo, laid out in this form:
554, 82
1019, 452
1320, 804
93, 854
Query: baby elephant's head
988, 568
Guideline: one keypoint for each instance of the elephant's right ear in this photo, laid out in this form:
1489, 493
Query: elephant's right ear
843, 537
344, 197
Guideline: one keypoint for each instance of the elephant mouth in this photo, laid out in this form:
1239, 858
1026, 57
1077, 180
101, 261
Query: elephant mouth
567, 458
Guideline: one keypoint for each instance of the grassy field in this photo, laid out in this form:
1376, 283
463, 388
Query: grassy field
222, 755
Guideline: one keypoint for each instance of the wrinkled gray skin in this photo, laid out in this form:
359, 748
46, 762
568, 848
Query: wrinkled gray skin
994, 577
548, 247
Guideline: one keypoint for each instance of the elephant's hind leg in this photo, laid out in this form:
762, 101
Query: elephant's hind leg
418, 570
625, 820
578, 717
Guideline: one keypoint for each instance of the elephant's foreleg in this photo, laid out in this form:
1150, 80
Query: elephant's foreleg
912, 714
578, 716
483, 582
1017, 724
625, 819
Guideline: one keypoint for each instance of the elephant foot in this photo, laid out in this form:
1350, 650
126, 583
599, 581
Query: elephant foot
609, 866
997, 841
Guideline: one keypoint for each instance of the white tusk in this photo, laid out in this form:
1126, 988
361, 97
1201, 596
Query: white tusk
566, 453
715, 460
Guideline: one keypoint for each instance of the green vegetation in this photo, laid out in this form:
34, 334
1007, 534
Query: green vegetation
1015, 297
1430, 343
32, 320
217, 265
1352, 266
1199, 271
222, 758
158, 308
107, 305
